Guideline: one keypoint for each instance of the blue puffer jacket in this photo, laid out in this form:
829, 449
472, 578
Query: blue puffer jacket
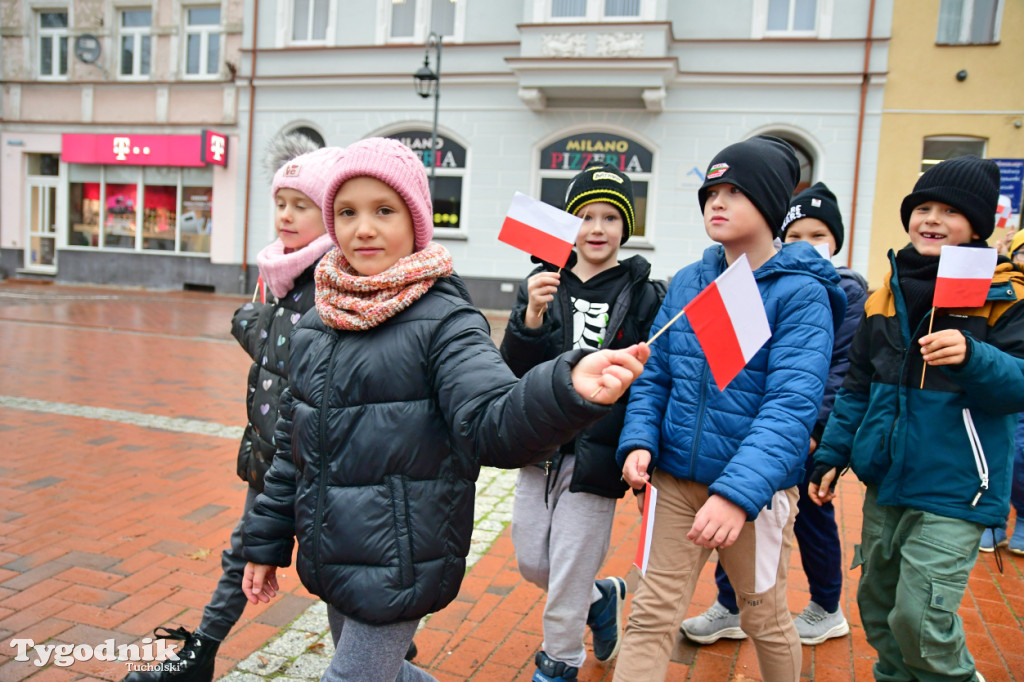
750, 440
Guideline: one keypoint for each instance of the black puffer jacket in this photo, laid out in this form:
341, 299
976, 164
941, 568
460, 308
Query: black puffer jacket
380, 441
632, 313
263, 329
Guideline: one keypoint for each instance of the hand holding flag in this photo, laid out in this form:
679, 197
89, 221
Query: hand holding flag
540, 229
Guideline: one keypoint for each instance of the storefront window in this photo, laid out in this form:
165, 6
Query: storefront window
564, 158
173, 206
450, 158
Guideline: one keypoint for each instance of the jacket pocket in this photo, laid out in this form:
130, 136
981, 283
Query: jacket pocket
402, 531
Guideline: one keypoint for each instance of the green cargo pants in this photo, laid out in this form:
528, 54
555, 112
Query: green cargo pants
915, 570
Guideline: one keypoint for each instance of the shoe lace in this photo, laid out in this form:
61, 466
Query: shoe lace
192, 642
813, 615
716, 613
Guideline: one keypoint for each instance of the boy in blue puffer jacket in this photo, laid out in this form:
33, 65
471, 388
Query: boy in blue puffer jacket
726, 463
937, 458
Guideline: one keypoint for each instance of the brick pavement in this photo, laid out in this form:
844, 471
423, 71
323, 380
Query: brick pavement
120, 412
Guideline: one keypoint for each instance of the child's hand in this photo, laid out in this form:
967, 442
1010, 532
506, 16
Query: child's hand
634, 471
541, 290
946, 347
603, 377
822, 486
259, 582
718, 523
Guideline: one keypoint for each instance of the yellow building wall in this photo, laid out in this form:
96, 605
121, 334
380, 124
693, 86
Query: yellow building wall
923, 99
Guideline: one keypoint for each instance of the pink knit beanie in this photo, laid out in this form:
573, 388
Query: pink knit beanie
394, 164
308, 173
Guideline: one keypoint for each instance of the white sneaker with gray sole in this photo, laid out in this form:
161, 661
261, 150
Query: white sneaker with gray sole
815, 624
714, 624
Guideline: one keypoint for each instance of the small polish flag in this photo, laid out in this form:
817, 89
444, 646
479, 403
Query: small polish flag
1004, 211
965, 274
643, 550
540, 229
729, 320
261, 290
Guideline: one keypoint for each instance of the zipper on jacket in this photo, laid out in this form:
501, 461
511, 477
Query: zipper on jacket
979, 457
322, 483
699, 427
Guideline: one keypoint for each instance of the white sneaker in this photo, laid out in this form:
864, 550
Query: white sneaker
714, 624
815, 624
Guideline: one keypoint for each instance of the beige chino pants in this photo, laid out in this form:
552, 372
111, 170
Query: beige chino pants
757, 564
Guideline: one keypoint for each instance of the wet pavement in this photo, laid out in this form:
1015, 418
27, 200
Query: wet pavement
120, 413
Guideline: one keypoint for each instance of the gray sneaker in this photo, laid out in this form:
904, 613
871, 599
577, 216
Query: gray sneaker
714, 624
815, 624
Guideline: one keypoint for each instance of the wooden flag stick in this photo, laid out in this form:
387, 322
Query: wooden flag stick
649, 342
924, 366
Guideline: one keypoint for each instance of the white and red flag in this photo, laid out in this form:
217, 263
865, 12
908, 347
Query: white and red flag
643, 550
540, 229
729, 320
1004, 211
965, 274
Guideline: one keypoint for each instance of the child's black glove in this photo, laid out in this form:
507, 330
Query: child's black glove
820, 469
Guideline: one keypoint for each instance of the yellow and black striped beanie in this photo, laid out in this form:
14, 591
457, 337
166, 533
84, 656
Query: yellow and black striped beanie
603, 183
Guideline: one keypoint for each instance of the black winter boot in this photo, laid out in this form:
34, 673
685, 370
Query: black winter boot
195, 659
411, 653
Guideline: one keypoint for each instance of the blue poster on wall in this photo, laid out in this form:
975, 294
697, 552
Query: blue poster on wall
1011, 175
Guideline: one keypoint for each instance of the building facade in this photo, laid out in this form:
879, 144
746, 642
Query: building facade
528, 92
118, 138
950, 92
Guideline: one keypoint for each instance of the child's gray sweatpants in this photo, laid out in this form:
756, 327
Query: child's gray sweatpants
371, 653
560, 546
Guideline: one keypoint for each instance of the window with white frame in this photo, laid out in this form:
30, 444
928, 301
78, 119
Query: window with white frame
134, 56
792, 16
414, 20
309, 21
446, 168
941, 148
969, 22
53, 44
598, 10
202, 41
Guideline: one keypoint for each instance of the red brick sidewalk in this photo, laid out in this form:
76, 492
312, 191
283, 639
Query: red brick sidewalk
493, 629
110, 529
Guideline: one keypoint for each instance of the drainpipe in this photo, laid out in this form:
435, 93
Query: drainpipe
242, 276
865, 79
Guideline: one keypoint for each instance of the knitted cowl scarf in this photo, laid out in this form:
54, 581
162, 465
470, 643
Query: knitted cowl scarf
279, 269
349, 301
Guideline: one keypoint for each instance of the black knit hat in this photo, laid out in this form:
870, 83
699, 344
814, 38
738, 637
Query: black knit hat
817, 201
967, 183
764, 168
603, 183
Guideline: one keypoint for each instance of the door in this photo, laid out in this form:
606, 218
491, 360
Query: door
41, 230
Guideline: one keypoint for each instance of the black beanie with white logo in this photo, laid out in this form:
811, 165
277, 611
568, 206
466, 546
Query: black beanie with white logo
603, 183
764, 168
817, 201
967, 183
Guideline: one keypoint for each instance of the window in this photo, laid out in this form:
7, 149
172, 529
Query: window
450, 158
792, 16
969, 22
135, 42
596, 10
561, 160
940, 148
414, 20
309, 21
140, 208
53, 45
202, 41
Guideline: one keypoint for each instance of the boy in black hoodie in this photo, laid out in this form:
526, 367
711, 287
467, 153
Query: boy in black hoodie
564, 507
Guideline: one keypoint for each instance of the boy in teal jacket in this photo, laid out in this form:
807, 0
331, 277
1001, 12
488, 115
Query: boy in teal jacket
936, 460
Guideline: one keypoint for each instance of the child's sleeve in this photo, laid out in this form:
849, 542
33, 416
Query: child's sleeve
245, 327
500, 421
851, 405
840, 364
649, 394
797, 366
269, 532
521, 347
993, 375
